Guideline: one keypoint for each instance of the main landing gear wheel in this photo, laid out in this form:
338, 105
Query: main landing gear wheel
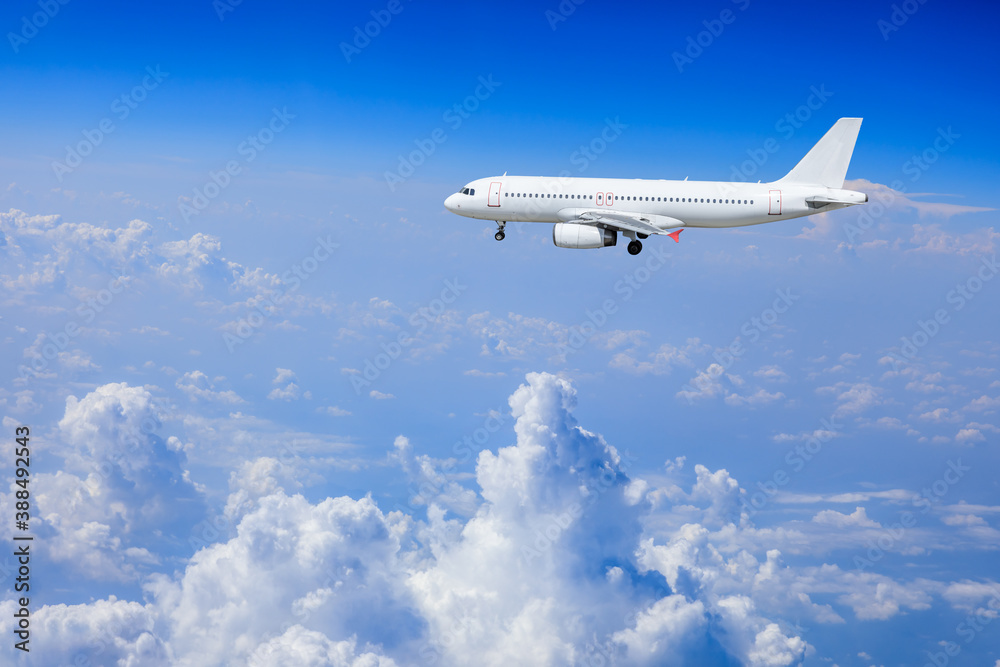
634, 248
499, 236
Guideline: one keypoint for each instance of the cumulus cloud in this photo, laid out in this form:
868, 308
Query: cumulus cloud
199, 387
559, 557
123, 490
853, 398
662, 361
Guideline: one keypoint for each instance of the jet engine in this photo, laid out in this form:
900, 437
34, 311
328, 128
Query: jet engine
573, 235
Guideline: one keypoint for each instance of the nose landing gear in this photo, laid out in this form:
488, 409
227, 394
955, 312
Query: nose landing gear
499, 236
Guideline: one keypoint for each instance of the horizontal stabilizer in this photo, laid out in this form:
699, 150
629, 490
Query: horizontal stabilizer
849, 199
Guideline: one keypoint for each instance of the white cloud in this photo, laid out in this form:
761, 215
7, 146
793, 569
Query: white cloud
968, 436
984, 404
379, 396
772, 373
760, 397
706, 384
660, 362
290, 392
476, 373
853, 398
561, 560
198, 387
298, 646
283, 375
940, 416
122, 487
857, 519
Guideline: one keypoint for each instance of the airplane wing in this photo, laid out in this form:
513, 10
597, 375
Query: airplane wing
639, 224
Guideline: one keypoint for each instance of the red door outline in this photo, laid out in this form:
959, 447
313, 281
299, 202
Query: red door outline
775, 206
610, 199
494, 193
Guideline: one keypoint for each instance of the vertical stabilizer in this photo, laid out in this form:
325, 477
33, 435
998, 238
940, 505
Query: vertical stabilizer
826, 164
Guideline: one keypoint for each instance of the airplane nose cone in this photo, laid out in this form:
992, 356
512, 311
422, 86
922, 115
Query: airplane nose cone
451, 203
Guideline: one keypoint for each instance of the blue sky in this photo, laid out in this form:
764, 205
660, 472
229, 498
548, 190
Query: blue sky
233, 458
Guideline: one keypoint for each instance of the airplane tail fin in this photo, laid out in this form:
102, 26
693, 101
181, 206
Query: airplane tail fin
826, 164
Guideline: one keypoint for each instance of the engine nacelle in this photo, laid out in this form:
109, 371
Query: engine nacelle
573, 235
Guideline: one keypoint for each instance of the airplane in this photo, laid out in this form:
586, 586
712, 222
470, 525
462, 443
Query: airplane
591, 212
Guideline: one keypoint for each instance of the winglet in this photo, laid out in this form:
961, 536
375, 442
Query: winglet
676, 235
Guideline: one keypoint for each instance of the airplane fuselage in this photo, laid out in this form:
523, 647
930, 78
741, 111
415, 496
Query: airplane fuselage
711, 204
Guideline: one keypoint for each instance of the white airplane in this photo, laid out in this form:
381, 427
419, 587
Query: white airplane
590, 212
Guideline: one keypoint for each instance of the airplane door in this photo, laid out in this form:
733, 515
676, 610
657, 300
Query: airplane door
600, 199
494, 199
775, 203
